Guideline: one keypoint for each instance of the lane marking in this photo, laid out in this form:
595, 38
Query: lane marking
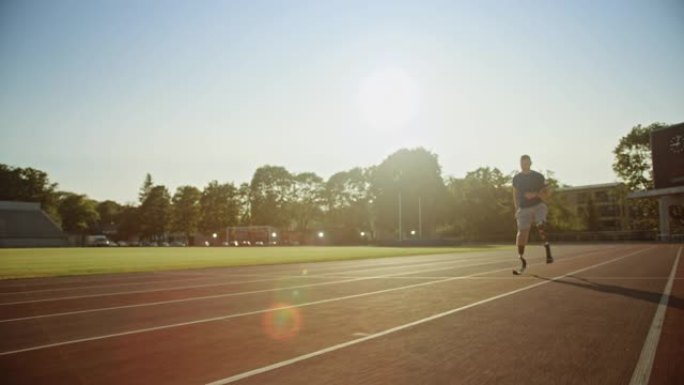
642, 371
383, 333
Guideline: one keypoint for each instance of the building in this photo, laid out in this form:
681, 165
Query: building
602, 207
667, 145
24, 224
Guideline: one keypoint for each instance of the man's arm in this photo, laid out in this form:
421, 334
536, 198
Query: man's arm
544, 193
515, 199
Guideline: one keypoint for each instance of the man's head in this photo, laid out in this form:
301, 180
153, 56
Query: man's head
525, 163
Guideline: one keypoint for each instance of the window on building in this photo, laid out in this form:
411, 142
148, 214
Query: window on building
610, 225
601, 196
609, 211
582, 198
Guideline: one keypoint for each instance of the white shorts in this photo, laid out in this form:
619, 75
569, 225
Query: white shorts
528, 215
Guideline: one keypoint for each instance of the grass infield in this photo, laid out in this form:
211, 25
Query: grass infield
25, 263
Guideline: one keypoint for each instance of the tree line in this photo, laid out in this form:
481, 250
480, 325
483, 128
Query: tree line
406, 189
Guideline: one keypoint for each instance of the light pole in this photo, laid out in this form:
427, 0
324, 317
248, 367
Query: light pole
420, 218
400, 230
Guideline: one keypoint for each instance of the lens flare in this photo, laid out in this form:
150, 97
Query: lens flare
282, 323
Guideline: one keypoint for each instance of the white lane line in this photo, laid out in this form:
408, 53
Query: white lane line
98, 286
272, 278
236, 315
145, 291
448, 257
330, 349
225, 295
343, 280
642, 371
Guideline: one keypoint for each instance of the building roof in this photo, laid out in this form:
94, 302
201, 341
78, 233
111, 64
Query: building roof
677, 190
591, 187
670, 126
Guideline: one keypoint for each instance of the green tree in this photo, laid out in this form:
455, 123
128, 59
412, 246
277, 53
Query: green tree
129, 222
307, 200
561, 217
78, 213
633, 157
185, 210
108, 212
481, 205
633, 166
244, 204
146, 188
219, 207
348, 204
29, 185
270, 195
414, 175
155, 213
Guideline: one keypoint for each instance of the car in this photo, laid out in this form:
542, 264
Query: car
178, 244
123, 244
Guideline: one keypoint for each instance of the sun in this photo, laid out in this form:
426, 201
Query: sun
388, 98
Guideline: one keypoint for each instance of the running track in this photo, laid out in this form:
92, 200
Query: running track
598, 315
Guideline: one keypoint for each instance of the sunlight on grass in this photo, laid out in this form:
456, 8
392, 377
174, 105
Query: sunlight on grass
24, 263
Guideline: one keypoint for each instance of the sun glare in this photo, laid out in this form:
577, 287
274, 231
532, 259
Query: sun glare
388, 98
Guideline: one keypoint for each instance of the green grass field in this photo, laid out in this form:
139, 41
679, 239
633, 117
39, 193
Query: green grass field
24, 263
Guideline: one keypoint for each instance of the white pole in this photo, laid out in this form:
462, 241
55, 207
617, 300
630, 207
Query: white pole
400, 233
420, 219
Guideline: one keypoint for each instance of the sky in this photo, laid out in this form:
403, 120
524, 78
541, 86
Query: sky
99, 93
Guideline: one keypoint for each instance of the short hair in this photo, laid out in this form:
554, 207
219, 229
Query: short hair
525, 157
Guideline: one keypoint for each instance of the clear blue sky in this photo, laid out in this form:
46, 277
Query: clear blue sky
98, 93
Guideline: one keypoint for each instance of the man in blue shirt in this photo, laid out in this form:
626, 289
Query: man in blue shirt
529, 193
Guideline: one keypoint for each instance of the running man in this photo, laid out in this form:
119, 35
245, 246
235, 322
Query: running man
529, 193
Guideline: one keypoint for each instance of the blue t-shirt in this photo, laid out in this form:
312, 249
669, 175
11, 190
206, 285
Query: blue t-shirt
528, 182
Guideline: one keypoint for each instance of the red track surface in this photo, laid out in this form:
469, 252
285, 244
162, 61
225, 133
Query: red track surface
451, 319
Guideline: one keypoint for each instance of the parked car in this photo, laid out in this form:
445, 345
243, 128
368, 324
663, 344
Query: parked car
97, 240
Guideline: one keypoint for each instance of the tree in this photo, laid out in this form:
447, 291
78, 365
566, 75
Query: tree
244, 205
129, 222
270, 194
145, 188
347, 204
155, 213
29, 185
307, 199
108, 212
414, 175
185, 210
633, 157
481, 205
219, 208
561, 217
78, 213
634, 167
